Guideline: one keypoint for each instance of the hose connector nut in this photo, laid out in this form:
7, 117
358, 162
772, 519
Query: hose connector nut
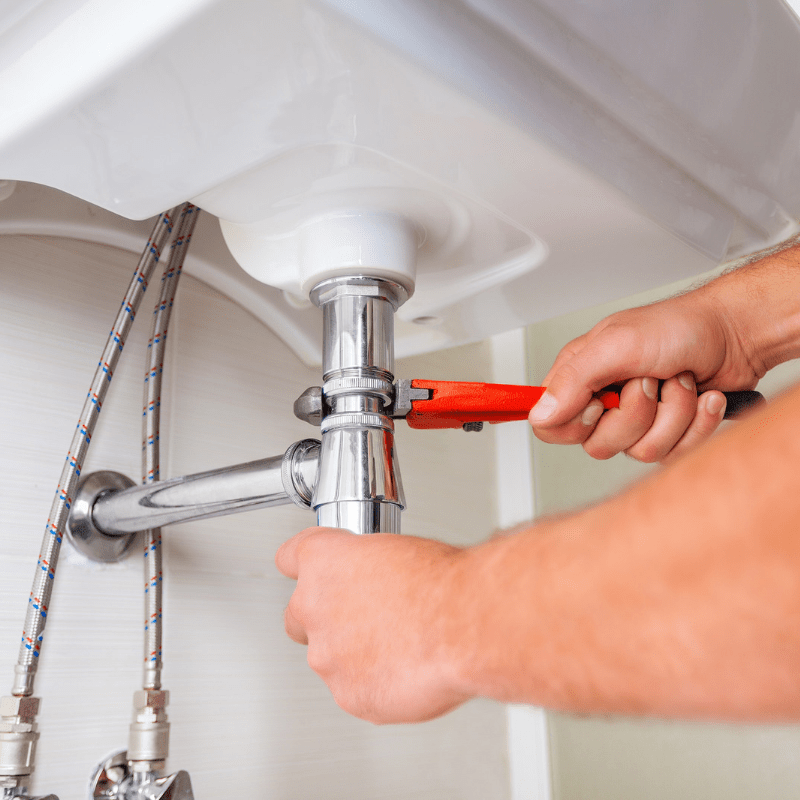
18, 736
25, 708
148, 739
144, 699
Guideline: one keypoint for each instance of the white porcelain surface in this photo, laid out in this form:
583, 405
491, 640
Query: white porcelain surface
602, 137
36, 210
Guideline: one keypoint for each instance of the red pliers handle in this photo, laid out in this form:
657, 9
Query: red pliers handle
454, 404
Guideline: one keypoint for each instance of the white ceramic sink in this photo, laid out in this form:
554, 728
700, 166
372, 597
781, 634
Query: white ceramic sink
547, 155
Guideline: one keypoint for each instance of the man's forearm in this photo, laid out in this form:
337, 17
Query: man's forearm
761, 302
680, 597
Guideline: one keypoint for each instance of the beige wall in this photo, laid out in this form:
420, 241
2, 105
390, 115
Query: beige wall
626, 759
249, 718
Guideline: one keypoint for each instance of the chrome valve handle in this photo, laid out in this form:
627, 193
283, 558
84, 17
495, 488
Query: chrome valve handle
114, 779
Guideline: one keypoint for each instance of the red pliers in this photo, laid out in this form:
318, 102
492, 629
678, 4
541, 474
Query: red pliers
455, 404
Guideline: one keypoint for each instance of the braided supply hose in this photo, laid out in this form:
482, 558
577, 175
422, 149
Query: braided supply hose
151, 423
41, 591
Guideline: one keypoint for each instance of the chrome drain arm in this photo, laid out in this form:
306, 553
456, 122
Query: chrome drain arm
109, 510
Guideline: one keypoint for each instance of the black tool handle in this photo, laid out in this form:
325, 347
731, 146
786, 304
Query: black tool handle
739, 402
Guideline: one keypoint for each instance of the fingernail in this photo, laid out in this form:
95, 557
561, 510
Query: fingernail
716, 404
592, 413
544, 409
650, 388
686, 380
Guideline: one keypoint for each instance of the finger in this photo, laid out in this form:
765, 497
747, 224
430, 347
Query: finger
620, 428
566, 354
287, 557
710, 412
294, 629
611, 356
577, 430
674, 414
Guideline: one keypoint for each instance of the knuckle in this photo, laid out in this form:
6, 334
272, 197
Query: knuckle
638, 420
569, 373
572, 348
625, 338
676, 452
308, 544
646, 454
294, 630
294, 615
706, 425
567, 378
349, 704
319, 661
567, 434
599, 451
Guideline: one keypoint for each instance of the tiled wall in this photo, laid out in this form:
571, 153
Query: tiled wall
249, 718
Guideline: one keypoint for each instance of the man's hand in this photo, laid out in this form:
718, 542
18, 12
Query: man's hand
723, 336
664, 354
373, 611
679, 597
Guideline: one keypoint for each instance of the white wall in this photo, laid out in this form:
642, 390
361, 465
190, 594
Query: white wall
247, 713
629, 759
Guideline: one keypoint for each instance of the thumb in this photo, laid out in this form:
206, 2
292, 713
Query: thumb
565, 398
287, 558
573, 383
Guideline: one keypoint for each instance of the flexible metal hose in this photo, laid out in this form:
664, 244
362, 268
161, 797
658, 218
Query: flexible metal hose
39, 601
153, 572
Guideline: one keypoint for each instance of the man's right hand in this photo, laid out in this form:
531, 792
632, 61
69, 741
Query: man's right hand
664, 354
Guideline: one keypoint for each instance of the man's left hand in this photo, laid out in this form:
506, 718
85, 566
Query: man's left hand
375, 612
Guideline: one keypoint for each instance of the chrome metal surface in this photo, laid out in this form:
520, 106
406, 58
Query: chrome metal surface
358, 463
404, 393
148, 738
85, 535
20, 793
116, 778
357, 420
223, 491
358, 326
309, 406
300, 471
257, 484
359, 484
360, 516
108, 776
18, 737
376, 387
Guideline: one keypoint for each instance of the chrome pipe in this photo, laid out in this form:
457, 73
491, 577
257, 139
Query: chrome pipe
358, 326
208, 494
283, 479
359, 484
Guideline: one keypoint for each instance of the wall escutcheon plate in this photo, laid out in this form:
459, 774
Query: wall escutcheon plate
81, 530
